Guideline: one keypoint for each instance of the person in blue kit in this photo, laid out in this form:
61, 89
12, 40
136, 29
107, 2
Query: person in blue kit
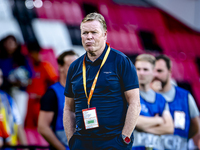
155, 118
182, 107
50, 123
102, 93
17, 72
11, 127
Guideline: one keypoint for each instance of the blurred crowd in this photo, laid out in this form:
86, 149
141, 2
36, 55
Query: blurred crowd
25, 77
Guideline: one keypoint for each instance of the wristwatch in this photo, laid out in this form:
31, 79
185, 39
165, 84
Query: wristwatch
126, 139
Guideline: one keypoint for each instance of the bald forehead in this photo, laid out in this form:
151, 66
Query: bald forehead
96, 24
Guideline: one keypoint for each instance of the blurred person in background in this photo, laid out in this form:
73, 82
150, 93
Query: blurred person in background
50, 123
182, 107
11, 129
44, 75
5, 116
17, 72
194, 143
155, 118
102, 101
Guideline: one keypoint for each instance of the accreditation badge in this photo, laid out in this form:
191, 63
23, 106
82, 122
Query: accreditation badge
179, 119
90, 118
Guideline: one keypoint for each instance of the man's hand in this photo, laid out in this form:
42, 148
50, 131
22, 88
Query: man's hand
159, 119
156, 85
69, 117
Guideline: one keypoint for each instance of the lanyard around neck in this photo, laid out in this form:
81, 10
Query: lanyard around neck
95, 79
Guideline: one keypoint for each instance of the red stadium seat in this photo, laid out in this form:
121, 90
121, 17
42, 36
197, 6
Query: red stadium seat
41, 11
67, 10
34, 138
77, 13
57, 8
115, 38
104, 10
196, 39
140, 18
48, 11
72, 12
169, 45
183, 44
127, 15
177, 70
134, 42
48, 55
191, 73
185, 70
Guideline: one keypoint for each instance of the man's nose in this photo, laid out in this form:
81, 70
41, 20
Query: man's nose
89, 35
140, 72
155, 74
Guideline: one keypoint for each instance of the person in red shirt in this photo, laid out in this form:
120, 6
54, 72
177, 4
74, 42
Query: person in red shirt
44, 76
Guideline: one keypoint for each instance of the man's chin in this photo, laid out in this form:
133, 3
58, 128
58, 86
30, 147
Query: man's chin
91, 52
89, 49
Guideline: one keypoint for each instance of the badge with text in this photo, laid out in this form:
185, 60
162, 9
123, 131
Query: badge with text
90, 118
179, 119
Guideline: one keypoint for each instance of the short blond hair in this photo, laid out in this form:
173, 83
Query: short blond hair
95, 16
146, 57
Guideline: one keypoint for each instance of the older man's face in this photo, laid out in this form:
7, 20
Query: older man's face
93, 36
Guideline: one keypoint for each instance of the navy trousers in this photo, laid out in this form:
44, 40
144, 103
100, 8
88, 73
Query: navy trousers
84, 143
